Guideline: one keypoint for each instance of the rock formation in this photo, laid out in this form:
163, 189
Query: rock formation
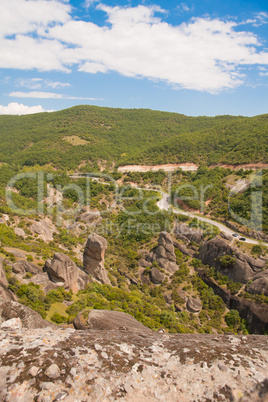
156, 276
242, 270
93, 258
112, 365
184, 232
259, 284
164, 253
109, 320
29, 318
194, 304
64, 272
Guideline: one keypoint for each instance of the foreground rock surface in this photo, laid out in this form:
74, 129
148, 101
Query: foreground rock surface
69, 365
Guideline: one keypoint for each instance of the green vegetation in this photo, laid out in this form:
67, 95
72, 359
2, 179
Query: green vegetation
130, 136
235, 323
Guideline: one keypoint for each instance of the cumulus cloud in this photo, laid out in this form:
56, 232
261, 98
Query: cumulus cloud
20, 109
46, 95
202, 54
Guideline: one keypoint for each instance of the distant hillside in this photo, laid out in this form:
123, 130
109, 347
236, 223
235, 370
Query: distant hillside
91, 134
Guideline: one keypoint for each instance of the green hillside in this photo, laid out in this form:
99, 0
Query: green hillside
130, 136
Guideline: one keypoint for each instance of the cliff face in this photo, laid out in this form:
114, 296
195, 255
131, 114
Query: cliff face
52, 365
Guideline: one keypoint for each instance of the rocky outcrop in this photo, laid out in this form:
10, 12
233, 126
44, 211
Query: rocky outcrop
259, 284
29, 318
19, 232
93, 365
93, 258
243, 269
245, 231
194, 305
21, 267
156, 276
43, 281
64, 272
106, 320
89, 216
164, 253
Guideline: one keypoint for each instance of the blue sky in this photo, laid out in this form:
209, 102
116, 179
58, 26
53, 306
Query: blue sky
194, 57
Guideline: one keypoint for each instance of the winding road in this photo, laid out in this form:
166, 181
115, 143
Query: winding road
164, 205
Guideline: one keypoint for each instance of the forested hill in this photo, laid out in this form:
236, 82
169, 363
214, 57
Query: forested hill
90, 133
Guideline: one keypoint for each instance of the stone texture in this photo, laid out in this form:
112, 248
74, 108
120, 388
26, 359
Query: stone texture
93, 258
123, 365
64, 272
156, 276
109, 320
164, 253
184, 232
194, 304
28, 317
13, 323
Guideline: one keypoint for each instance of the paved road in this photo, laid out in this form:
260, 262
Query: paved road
164, 205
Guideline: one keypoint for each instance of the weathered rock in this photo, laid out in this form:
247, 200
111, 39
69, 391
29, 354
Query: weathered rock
194, 304
13, 323
242, 270
53, 371
226, 236
259, 284
156, 276
125, 365
64, 272
89, 217
164, 254
109, 320
93, 258
21, 267
29, 317
185, 250
3, 278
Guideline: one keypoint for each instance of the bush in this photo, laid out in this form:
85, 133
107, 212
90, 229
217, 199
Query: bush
58, 318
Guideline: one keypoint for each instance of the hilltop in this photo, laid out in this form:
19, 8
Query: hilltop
91, 134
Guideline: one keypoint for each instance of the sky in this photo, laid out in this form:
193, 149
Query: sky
198, 57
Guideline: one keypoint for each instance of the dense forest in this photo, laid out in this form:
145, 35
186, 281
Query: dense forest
89, 133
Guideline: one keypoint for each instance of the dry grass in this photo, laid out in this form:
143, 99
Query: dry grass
75, 140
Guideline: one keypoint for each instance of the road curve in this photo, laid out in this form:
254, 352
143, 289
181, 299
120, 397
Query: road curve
164, 205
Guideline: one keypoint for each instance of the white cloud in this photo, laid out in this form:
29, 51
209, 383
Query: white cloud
184, 8
38, 83
19, 109
46, 95
203, 54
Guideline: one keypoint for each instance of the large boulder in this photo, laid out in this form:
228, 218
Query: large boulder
244, 267
156, 276
259, 284
164, 253
64, 272
194, 305
43, 281
93, 258
29, 318
109, 320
